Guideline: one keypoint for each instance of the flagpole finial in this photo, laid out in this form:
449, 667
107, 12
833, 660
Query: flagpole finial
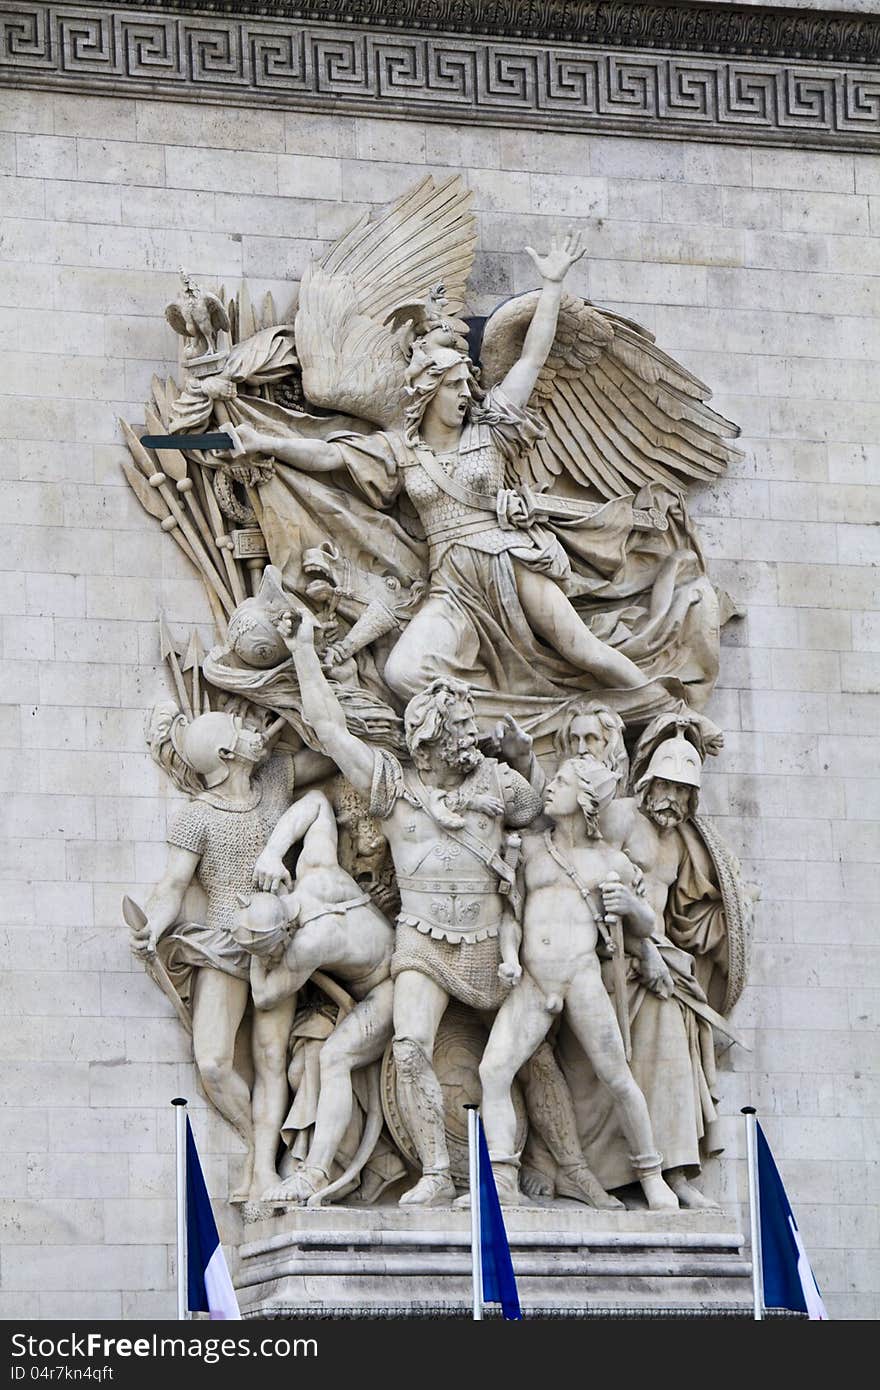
179, 1100
471, 1105
748, 1110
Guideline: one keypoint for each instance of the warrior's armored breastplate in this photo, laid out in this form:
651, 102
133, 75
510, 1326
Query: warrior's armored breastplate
478, 467
451, 896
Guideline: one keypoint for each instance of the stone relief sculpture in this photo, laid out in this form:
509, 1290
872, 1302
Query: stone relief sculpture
575, 883
321, 922
215, 839
457, 591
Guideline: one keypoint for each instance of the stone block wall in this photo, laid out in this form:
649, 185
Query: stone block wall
760, 270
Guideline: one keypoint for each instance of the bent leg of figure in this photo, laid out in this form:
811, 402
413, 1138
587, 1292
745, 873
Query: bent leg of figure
591, 1016
269, 1102
428, 646
219, 1002
520, 1025
551, 615
358, 1040
419, 1005
551, 1111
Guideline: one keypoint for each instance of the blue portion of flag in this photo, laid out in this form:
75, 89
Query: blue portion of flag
499, 1281
201, 1229
788, 1278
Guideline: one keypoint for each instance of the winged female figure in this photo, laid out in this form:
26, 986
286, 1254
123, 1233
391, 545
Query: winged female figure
548, 572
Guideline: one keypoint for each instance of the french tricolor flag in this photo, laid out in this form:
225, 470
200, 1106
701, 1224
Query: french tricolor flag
788, 1277
209, 1285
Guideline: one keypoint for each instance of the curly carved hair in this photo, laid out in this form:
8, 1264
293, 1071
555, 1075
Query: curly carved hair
424, 718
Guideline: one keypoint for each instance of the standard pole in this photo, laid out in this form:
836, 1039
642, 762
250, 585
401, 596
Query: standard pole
754, 1210
473, 1120
180, 1152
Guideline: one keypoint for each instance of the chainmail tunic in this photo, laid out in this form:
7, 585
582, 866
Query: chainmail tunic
228, 840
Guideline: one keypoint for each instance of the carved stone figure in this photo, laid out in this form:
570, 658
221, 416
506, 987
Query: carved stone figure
496, 577
198, 317
239, 794
445, 820
254, 663
670, 1019
573, 882
483, 525
322, 921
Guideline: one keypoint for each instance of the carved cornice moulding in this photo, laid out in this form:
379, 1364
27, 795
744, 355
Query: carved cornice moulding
594, 78
680, 25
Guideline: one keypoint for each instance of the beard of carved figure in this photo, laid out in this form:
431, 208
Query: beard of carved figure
458, 750
669, 803
440, 722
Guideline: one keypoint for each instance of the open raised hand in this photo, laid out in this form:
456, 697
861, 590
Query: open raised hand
560, 258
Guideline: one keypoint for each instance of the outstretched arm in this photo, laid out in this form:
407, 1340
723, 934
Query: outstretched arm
309, 455
520, 380
320, 707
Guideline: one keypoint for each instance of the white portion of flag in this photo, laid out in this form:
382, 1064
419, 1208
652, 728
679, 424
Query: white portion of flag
222, 1302
812, 1296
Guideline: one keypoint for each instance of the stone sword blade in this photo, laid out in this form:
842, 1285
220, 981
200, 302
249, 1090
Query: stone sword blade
188, 441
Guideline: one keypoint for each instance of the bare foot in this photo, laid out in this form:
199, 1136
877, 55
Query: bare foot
658, 1196
299, 1187
432, 1190
688, 1196
582, 1185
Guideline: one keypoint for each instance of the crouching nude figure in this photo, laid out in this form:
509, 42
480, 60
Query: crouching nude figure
568, 873
323, 921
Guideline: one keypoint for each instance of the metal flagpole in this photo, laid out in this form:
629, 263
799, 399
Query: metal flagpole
180, 1147
754, 1210
473, 1120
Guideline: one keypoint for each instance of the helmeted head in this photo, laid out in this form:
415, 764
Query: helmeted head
441, 718
669, 787
439, 379
209, 744
581, 783
261, 925
252, 633
590, 729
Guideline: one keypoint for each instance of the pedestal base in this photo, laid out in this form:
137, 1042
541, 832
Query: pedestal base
570, 1261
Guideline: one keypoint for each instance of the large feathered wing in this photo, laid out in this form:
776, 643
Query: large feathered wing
349, 335
618, 412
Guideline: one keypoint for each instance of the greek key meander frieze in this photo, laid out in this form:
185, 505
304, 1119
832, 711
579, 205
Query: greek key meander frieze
344, 67
677, 24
